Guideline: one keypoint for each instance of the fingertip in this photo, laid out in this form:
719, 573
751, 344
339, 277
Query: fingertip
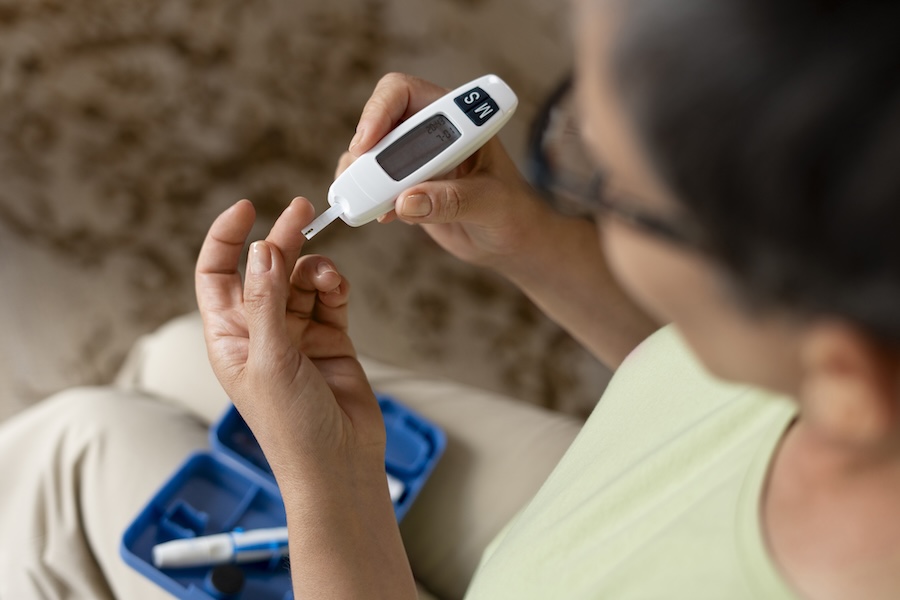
327, 277
324, 267
240, 206
297, 202
304, 206
244, 204
233, 224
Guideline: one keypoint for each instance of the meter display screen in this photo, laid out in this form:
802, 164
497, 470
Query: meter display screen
418, 146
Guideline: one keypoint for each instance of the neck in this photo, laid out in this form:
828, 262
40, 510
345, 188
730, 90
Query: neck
830, 514
827, 459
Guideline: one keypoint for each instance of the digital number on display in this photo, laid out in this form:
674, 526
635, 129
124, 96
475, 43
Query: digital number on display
417, 147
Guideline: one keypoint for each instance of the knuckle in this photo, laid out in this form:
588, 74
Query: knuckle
255, 299
260, 297
452, 205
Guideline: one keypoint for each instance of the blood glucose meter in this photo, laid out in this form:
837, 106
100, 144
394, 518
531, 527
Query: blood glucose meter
430, 143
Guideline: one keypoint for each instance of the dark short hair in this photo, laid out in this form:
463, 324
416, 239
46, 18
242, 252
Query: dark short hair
776, 123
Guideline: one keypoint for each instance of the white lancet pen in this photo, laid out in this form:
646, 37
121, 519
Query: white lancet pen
430, 143
236, 546
222, 548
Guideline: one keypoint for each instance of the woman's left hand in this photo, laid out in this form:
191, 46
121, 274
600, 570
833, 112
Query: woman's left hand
278, 343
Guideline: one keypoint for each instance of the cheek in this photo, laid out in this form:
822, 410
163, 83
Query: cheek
648, 271
676, 287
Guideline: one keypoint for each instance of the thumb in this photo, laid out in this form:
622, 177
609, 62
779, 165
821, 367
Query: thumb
446, 201
265, 300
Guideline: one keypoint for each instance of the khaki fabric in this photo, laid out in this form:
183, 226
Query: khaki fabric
81, 464
78, 467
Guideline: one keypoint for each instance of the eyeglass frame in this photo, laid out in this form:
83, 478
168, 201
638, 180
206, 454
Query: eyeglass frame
545, 179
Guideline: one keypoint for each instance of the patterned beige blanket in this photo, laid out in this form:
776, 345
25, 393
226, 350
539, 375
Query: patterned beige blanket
127, 125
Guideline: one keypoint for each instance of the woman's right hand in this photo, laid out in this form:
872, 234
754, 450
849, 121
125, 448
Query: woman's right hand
482, 212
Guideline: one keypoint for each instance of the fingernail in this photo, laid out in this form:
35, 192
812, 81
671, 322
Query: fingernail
357, 137
324, 268
417, 205
260, 258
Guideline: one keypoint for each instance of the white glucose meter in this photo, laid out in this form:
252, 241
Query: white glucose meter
430, 143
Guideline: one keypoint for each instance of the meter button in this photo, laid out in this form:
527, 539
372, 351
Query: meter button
468, 100
483, 111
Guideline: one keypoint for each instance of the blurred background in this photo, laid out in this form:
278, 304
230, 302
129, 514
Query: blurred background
126, 126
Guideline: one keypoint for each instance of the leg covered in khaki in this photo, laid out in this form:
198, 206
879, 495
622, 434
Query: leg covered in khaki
78, 467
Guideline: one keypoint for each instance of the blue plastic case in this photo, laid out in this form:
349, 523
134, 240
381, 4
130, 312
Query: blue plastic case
232, 486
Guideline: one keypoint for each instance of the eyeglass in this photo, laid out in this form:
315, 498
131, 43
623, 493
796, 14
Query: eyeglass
562, 171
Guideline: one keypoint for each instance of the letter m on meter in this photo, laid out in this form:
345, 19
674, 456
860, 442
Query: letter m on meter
484, 111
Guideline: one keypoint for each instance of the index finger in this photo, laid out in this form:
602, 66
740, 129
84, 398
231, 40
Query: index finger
396, 98
286, 233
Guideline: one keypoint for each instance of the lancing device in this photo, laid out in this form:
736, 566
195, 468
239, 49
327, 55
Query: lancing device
222, 548
430, 143
236, 546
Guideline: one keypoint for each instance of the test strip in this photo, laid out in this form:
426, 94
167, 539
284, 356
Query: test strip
323, 220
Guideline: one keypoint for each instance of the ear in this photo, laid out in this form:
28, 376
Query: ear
850, 392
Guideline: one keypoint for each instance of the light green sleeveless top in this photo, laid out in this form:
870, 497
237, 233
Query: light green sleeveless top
658, 496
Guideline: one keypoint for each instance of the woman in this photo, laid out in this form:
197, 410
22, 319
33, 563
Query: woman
747, 196
751, 449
